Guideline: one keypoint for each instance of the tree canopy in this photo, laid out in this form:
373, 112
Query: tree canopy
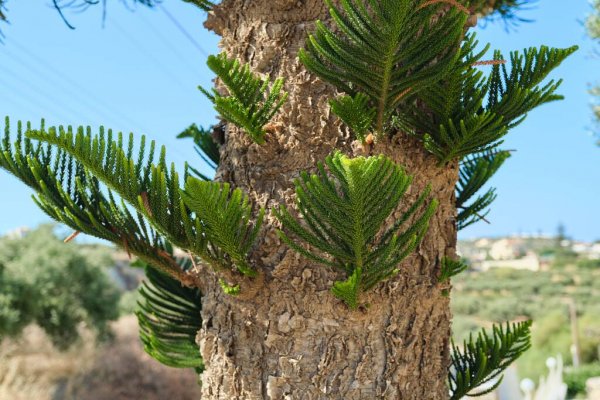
55, 285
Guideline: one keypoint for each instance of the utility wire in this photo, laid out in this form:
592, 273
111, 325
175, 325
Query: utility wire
85, 95
31, 100
75, 94
140, 47
184, 60
150, 55
183, 30
77, 87
75, 116
41, 93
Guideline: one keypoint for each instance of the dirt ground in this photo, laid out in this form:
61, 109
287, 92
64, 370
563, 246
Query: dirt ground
31, 368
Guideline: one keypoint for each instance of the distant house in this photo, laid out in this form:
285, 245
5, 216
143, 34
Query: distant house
587, 250
507, 249
530, 262
581, 247
594, 252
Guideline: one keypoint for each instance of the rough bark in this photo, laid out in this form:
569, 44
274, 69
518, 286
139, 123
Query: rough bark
286, 336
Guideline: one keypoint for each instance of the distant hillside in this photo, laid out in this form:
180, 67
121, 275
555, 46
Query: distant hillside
480, 298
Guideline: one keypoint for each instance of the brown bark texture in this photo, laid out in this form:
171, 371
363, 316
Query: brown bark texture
286, 336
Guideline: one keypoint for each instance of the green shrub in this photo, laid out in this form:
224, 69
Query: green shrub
128, 302
16, 304
575, 378
466, 304
52, 284
462, 326
588, 264
550, 336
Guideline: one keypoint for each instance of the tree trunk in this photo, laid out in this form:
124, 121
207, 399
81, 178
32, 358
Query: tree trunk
286, 336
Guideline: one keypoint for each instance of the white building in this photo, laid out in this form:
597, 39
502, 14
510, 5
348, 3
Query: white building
507, 249
530, 262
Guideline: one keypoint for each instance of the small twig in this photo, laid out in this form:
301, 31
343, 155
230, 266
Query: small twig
403, 93
175, 270
57, 7
196, 269
481, 217
171, 260
451, 2
72, 236
126, 246
123, 240
146, 203
488, 62
163, 254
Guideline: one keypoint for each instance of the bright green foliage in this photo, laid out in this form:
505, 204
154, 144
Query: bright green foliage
356, 113
385, 49
71, 194
56, 286
169, 319
576, 380
451, 268
232, 290
472, 112
483, 360
507, 294
381, 50
68, 186
345, 214
206, 148
152, 189
17, 304
476, 171
251, 102
222, 233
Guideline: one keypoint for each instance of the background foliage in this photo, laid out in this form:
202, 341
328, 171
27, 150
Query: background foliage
481, 298
593, 27
55, 285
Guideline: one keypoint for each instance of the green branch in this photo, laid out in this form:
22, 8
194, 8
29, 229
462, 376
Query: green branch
382, 50
225, 217
345, 215
72, 195
471, 113
169, 319
475, 171
252, 102
483, 360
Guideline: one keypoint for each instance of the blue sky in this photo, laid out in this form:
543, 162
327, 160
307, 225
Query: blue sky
140, 72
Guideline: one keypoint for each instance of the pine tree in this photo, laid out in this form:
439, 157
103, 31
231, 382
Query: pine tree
352, 147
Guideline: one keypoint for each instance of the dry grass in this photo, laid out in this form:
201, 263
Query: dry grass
31, 368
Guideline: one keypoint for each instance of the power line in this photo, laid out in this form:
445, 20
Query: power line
64, 89
169, 45
183, 30
140, 47
31, 100
40, 92
84, 95
78, 88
